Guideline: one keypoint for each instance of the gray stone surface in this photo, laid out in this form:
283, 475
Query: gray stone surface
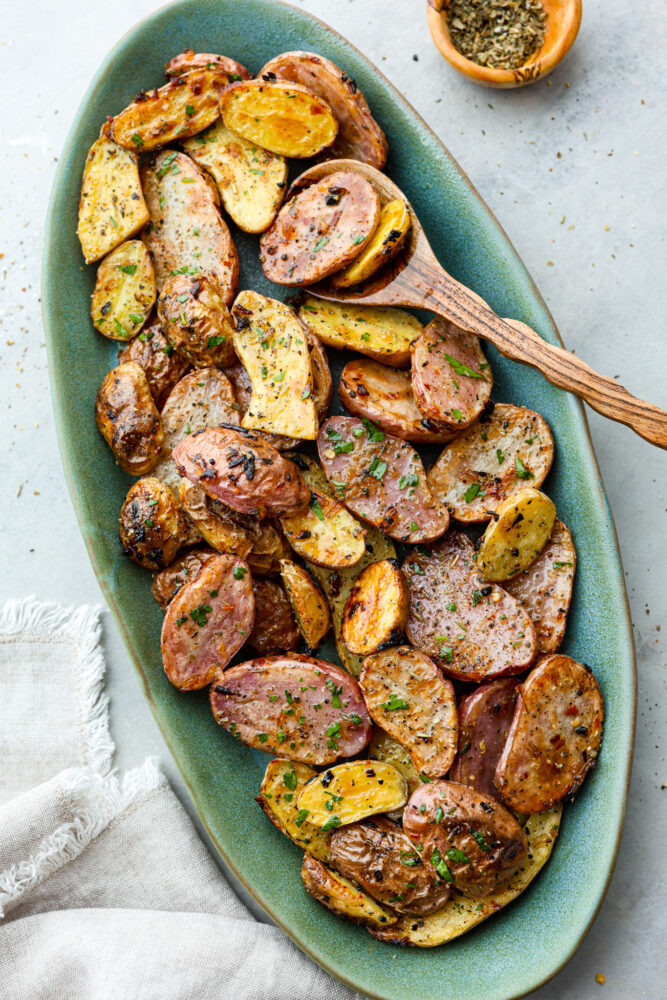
574, 169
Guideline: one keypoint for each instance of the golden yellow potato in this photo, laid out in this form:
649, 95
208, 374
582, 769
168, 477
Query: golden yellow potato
387, 240
308, 603
124, 291
517, 534
380, 332
112, 206
278, 796
347, 792
377, 608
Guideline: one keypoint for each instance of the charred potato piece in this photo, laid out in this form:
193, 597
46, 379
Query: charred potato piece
275, 629
308, 603
380, 332
124, 291
359, 135
284, 118
128, 420
513, 540
250, 180
555, 737
112, 206
167, 583
188, 60
273, 348
407, 696
196, 320
377, 608
278, 797
492, 459
385, 243
186, 233
180, 108
152, 525
378, 856
485, 717
352, 791
384, 747
152, 351
341, 896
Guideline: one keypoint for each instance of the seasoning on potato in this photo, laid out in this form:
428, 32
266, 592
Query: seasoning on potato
341, 896
520, 529
196, 320
279, 796
308, 603
152, 351
112, 207
387, 240
485, 717
188, 60
167, 583
377, 608
380, 332
152, 525
384, 747
352, 791
128, 420
124, 291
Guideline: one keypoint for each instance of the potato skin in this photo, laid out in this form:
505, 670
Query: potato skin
275, 629
167, 583
308, 603
112, 207
196, 320
340, 896
485, 717
152, 525
188, 60
124, 291
377, 608
128, 420
163, 366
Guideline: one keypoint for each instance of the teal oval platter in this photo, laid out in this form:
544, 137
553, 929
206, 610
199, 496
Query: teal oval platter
521, 947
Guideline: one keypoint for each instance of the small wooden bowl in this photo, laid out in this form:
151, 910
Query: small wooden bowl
562, 25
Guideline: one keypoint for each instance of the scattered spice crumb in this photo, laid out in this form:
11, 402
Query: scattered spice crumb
600, 979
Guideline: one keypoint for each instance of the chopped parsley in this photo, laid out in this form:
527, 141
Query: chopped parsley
454, 854
462, 369
473, 490
301, 816
441, 868
239, 572
331, 824
200, 615
373, 433
316, 508
500, 456
481, 843
394, 703
290, 779
215, 341
127, 268
521, 471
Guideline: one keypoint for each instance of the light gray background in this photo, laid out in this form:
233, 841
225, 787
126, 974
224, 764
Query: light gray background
574, 168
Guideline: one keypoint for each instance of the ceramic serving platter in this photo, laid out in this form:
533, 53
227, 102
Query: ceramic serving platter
513, 952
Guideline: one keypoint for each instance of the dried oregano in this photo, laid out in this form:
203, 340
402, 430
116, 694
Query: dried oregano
498, 33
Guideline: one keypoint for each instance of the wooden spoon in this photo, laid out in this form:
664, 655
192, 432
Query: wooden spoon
416, 279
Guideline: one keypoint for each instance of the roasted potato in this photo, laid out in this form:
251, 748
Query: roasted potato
377, 608
384, 747
320, 229
284, 118
196, 320
300, 707
491, 460
308, 603
407, 696
167, 583
163, 366
352, 791
451, 378
380, 332
278, 797
341, 896
152, 525
385, 243
250, 180
545, 588
473, 630
381, 479
186, 233
485, 717
324, 533
180, 108
555, 736
112, 206
513, 540
188, 60
240, 380
124, 291
359, 135
128, 420
322, 381
273, 347
275, 629
207, 622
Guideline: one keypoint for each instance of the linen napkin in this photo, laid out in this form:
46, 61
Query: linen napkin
106, 890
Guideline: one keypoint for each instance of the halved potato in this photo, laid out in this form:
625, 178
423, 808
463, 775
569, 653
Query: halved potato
385, 748
377, 608
189, 60
341, 896
285, 118
308, 602
128, 420
379, 332
152, 524
278, 796
112, 206
273, 348
347, 792
196, 320
387, 240
152, 351
124, 291
517, 534
250, 180
167, 583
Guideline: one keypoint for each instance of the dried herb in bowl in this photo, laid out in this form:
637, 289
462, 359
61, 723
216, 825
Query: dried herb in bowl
499, 33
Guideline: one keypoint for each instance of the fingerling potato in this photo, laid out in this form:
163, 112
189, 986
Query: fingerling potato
451, 378
240, 380
275, 629
124, 291
188, 60
380, 332
513, 540
128, 420
196, 320
341, 896
152, 525
485, 717
167, 583
308, 603
278, 797
385, 243
112, 207
377, 608
285, 118
152, 351
352, 791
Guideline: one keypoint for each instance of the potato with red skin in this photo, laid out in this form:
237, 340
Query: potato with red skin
167, 583
320, 229
152, 524
341, 896
207, 622
196, 320
555, 736
377, 608
188, 60
469, 839
163, 366
485, 717
275, 629
451, 379
128, 420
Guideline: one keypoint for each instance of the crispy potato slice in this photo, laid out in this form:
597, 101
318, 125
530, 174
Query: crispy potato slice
180, 108
284, 118
112, 206
380, 332
128, 420
167, 583
152, 351
250, 180
189, 60
408, 697
385, 748
341, 896
278, 797
545, 588
377, 608
492, 459
520, 529
308, 603
196, 320
152, 524
351, 791
124, 291
273, 348
462, 913
324, 533
485, 717
555, 736
385, 243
